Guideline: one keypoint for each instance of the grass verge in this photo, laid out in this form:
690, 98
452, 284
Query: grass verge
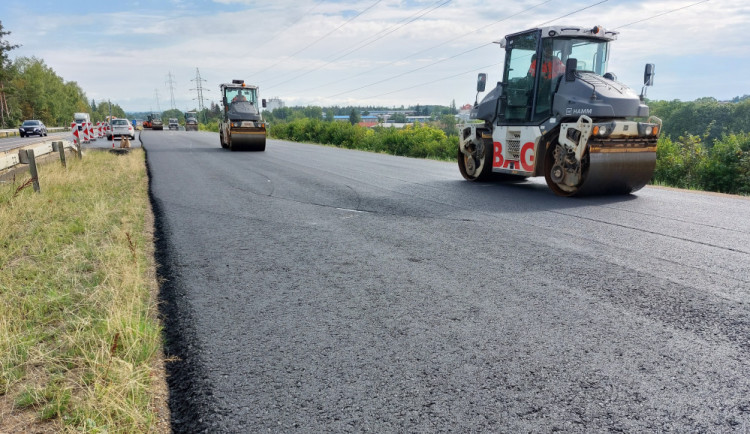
80, 339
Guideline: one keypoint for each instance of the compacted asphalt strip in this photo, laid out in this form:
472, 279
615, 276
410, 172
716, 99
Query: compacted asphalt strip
317, 289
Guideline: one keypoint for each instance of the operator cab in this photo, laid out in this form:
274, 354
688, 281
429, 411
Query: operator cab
240, 101
530, 85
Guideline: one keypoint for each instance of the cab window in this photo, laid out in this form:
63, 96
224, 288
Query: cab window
520, 51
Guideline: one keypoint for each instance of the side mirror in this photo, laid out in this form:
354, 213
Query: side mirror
481, 82
263, 101
648, 75
570, 69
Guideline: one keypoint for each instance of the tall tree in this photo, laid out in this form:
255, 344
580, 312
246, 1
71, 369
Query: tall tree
5, 74
354, 117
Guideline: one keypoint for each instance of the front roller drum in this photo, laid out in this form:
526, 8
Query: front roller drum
248, 140
607, 173
618, 172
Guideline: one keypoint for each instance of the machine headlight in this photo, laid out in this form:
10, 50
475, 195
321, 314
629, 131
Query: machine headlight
602, 130
646, 129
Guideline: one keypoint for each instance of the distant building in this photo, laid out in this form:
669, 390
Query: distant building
274, 103
464, 112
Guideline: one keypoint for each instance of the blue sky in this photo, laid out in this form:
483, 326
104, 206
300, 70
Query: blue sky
368, 52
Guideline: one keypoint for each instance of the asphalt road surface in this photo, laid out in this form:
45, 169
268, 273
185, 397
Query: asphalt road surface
10, 144
316, 289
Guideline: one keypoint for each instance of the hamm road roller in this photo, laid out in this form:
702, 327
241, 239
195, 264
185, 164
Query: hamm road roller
242, 127
559, 113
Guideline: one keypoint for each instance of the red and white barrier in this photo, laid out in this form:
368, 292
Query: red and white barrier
74, 130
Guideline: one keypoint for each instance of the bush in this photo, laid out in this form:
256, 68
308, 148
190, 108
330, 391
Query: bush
686, 163
419, 141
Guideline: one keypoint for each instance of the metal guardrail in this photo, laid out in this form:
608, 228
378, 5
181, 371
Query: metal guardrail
12, 159
14, 132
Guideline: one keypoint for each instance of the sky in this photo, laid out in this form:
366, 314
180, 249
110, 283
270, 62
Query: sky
146, 55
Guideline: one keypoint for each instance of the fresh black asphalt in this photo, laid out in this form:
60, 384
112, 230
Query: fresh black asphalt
317, 289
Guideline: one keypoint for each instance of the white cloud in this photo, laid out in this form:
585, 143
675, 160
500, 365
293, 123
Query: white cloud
126, 54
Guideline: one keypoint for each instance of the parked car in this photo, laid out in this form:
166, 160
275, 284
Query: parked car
173, 124
32, 127
121, 127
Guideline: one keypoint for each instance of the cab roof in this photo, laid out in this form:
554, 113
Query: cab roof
596, 32
237, 86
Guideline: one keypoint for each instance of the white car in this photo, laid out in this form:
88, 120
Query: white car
121, 127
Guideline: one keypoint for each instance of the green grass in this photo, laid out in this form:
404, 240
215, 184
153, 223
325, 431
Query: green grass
80, 342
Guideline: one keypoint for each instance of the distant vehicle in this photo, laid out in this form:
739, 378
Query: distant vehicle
242, 126
173, 124
32, 127
191, 121
121, 127
80, 118
155, 122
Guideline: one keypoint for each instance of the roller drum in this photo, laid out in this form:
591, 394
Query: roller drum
248, 139
617, 172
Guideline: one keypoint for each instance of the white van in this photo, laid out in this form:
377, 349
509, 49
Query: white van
81, 118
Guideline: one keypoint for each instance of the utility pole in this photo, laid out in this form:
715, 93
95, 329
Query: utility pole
199, 87
171, 90
158, 108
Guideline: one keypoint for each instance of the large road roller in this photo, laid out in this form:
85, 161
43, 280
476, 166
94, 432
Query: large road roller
241, 128
560, 114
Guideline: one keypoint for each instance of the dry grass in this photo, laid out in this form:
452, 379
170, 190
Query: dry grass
80, 342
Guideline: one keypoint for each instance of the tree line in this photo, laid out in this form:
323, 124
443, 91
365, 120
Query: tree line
705, 144
29, 89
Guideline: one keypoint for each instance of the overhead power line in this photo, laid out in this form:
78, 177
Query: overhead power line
369, 71
411, 71
435, 81
285, 29
454, 56
661, 14
497, 64
370, 40
571, 13
326, 35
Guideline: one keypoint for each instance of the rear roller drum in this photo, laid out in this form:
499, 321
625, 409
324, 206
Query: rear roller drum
478, 165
